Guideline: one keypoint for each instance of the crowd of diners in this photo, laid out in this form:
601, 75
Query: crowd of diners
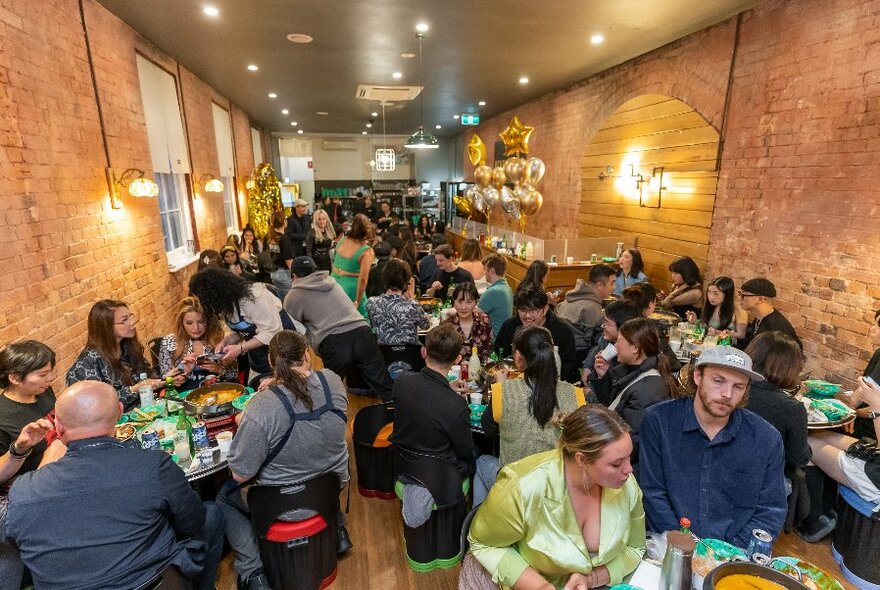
582, 430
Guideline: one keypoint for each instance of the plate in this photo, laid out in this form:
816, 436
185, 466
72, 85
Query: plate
821, 389
834, 410
241, 403
146, 413
822, 579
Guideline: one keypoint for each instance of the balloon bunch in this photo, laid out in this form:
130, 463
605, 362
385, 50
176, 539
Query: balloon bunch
490, 190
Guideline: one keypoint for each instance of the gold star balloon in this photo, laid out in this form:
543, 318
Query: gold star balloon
476, 151
516, 138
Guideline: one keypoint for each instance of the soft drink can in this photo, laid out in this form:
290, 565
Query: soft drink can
761, 559
150, 439
200, 436
761, 543
167, 445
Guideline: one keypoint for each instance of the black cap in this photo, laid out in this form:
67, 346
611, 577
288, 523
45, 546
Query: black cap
395, 242
759, 286
382, 249
303, 266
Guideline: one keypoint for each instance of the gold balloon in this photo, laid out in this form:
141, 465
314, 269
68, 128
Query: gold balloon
498, 178
530, 201
463, 204
476, 151
516, 138
515, 169
483, 175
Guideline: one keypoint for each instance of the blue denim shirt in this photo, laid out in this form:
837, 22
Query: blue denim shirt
726, 486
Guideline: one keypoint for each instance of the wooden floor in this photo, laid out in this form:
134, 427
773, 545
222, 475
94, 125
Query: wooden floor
377, 561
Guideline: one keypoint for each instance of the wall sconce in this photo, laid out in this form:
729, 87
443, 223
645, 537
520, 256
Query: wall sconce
139, 186
637, 176
656, 173
210, 183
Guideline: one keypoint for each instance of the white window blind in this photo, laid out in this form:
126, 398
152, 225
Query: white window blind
258, 146
164, 122
223, 136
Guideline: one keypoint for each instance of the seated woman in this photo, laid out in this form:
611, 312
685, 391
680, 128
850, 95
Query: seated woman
232, 262
408, 250
250, 310
640, 379
644, 297
352, 261
535, 278
472, 259
539, 526
522, 411
686, 292
113, 353
180, 352
27, 369
631, 271
721, 314
473, 325
396, 316
422, 230
210, 258
250, 249
267, 451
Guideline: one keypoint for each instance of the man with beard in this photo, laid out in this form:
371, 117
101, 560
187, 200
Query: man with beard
708, 459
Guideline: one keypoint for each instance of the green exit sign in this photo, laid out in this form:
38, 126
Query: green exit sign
470, 119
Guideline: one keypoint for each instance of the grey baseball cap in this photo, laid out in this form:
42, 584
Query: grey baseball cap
729, 358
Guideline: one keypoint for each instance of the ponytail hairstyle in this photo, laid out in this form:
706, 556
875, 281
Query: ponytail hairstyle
535, 344
286, 350
643, 333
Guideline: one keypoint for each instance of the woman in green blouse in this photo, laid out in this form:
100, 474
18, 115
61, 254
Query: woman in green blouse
567, 518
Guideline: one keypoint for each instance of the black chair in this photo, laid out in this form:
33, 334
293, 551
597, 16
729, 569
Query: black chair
153, 345
436, 544
374, 463
465, 527
298, 555
402, 357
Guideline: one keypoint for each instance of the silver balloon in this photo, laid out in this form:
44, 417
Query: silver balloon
510, 203
521, 190
491, 196
478, 201
534, 171
470, 193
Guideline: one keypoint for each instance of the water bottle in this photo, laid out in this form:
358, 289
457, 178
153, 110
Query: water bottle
148, 397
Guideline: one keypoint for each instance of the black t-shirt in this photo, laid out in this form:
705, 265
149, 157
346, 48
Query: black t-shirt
15, 415
872, 470
459, 275
280, 252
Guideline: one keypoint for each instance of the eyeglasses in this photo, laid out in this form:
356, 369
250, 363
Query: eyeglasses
130, 320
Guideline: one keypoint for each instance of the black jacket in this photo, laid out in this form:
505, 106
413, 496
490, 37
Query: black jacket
297, 230
788, 416
563, 339
772, 322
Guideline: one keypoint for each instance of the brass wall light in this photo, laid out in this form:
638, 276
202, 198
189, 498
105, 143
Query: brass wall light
137, 185
210, 184
609, 173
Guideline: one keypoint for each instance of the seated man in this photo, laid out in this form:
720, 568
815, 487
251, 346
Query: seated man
106, 514
708, 459
448, 273
583, 306
428, 264
756, 297
430, 417
336, 330
615, 315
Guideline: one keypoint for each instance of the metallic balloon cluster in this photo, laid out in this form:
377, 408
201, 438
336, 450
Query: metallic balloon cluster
491, 190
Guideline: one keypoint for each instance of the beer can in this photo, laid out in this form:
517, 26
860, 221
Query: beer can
761, 543
761, 559
200, 436
167, 445
150, 439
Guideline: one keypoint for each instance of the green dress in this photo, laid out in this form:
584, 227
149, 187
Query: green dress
352, 265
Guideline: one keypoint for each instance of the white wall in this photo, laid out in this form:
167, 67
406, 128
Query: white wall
351, 164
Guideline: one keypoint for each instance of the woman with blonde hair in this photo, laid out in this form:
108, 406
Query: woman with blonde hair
354, 257
320, 239
189, 355
540, 527
113, 353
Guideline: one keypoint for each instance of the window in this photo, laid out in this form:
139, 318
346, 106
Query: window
226, 160
174, 214
229, 204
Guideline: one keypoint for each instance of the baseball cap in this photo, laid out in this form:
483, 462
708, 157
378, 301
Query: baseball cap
300, 203
382, 249
303, 266
395, 242
759, 286
729, 358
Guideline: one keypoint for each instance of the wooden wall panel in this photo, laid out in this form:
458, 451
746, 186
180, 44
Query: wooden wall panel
652, 131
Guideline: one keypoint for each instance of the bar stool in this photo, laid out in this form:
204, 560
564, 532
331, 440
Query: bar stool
371, 428
856, 542
298, 555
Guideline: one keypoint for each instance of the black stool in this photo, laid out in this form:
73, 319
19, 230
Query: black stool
374, 461
856, 542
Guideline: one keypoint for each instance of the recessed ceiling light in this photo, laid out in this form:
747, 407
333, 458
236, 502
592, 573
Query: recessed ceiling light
455, 117
322, 113
293, 123
523, 80
369, 125
407, 55
253, 67
482, 103
285, 112
374, 114
397, 75
299, 38
596, 39
211, 10
273, 95
422, 27
438, 126
299, 131
363, 132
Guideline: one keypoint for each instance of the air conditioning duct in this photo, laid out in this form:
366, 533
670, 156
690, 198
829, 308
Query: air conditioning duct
387, 93
335, 145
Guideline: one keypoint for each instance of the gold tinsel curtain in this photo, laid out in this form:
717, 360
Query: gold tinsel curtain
264, 198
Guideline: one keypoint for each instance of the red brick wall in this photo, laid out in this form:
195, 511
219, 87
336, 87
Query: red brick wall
61, 244
798, 193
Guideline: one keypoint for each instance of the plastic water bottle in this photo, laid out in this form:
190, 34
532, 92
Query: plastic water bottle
148, 397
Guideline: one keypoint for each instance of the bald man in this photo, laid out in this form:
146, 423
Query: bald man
103, 514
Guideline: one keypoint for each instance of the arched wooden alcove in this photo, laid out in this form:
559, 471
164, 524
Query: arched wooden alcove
647, 133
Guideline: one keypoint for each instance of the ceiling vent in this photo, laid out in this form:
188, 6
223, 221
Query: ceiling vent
387, 93
334, 145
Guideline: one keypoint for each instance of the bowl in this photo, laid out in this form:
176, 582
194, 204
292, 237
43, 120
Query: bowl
751, 569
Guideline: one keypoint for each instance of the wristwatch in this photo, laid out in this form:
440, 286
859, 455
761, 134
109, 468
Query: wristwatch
873, 414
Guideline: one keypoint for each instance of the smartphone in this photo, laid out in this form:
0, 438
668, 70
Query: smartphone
208, 358
869, 380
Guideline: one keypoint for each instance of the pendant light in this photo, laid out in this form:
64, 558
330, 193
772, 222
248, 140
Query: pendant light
421, 139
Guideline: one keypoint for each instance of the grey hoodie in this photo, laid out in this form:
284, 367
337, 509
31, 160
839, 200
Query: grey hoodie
583, 309
322, 306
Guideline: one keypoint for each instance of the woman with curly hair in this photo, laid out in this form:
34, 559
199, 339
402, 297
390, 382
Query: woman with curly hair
185, 355
113, 353
250, 310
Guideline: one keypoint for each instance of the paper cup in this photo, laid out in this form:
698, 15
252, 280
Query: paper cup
569, 260
224, 441
609, 353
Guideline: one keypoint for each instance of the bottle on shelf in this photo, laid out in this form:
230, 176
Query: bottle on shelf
474, 364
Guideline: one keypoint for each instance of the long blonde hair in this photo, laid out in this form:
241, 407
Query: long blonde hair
213, 331
329, 233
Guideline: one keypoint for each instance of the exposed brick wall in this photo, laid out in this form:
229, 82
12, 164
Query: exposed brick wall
798, 192
61, 244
